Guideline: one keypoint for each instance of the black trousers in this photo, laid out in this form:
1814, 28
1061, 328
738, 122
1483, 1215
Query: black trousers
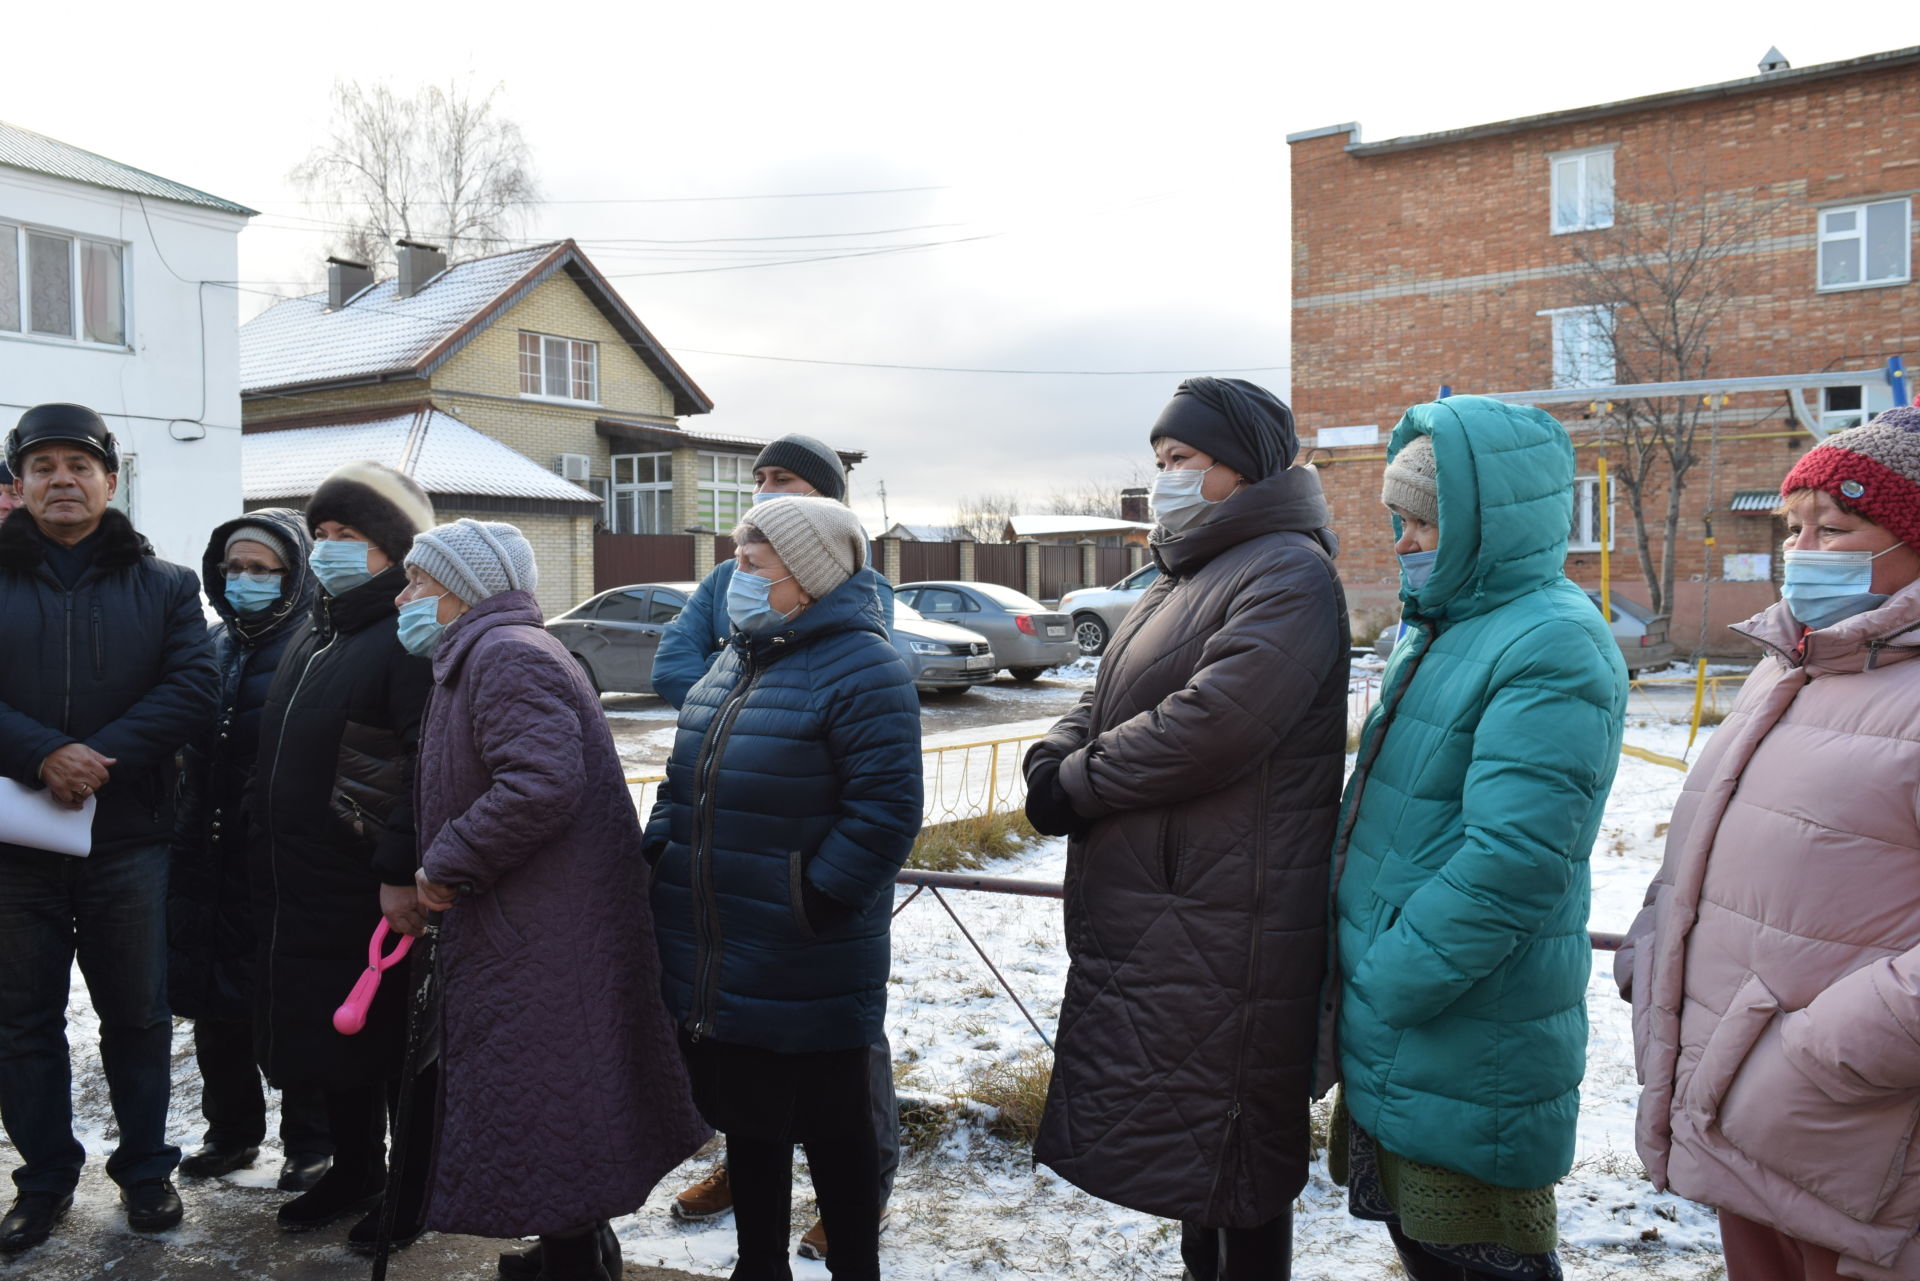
1264, 1253
359, 1119
765, 1102
234, 1102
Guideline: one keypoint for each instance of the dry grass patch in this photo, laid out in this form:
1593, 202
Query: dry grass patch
969, 844
1016, 1091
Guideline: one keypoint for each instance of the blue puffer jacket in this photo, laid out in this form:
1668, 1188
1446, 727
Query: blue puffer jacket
692, 640
792, 798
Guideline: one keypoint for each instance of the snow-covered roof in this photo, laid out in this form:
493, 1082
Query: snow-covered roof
438, 450
1044, 526
922, 533
377, 333
37, 153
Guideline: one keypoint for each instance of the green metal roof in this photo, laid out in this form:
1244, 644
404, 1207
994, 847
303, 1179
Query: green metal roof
37, 153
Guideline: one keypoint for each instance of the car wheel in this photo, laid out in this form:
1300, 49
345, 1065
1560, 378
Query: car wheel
1090, 633
586, 670
1027, 673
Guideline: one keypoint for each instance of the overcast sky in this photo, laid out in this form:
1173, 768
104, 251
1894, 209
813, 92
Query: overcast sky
1126, 163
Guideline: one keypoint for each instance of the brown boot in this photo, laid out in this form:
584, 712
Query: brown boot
708, 1199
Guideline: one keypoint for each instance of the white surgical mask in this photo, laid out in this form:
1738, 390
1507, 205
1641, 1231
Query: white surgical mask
1176, 498
1824, 587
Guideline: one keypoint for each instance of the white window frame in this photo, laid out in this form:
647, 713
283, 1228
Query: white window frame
76, 281
1832, 420
1858, 235
1580, 164
627, 497
1581, 360
1585, 534
723, 501
577, 348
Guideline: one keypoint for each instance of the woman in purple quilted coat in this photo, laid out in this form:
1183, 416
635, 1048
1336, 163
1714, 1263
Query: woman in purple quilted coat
564, 1098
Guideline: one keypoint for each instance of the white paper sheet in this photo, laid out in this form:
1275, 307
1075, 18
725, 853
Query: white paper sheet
31, 817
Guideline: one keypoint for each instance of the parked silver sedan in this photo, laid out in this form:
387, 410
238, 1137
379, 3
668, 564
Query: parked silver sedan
943, 658
1027, 637
1097, 611
614, 636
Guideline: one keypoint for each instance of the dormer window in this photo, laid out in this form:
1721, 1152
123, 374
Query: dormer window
1582, 189
559, 368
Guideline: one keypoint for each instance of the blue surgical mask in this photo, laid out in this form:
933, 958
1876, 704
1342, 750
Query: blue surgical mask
770, 495
340, 564
1176, 498
1417, 568
1821, 588
420, 625
747, 605
250, 597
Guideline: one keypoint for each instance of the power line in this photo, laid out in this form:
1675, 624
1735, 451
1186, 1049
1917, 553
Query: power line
694, 200
961, 369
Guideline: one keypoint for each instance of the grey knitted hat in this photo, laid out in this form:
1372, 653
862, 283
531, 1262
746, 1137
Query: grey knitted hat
820, 541
808, 459
475, 559
266, 536
1409, 481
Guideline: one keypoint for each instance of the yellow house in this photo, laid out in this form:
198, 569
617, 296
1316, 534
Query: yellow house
518, 387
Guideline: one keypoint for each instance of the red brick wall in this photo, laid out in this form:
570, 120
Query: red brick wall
1382, 317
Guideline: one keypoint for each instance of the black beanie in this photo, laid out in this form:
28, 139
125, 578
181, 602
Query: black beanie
811, 461
385, 505
1238, 423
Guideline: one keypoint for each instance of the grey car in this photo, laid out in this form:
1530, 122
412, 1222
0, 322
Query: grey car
614, 636
942, 657
1097, 611
1637, 630
1027, 637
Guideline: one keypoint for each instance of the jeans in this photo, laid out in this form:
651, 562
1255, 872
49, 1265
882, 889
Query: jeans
110, 910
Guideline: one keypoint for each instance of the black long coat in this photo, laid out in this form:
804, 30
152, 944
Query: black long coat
343, 719
210, 911
1209, 753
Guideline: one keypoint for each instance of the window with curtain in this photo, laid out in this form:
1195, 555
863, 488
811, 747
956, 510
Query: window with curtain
1582, 190
559, 368
1866, 244
726, 489
60, 286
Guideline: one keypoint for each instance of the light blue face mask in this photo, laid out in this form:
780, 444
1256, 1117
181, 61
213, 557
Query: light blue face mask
420, 625
340, 564
1821, 588
747, 605
250, 597
1417, 568
770, 495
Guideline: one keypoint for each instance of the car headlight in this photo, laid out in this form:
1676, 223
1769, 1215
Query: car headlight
927, 647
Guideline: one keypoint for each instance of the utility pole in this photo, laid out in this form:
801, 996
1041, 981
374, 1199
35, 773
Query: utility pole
885, 521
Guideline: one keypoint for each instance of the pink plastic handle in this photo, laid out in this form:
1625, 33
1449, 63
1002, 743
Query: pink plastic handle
352, 1014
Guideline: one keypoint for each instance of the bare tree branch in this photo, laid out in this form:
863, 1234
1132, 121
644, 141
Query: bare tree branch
442, 166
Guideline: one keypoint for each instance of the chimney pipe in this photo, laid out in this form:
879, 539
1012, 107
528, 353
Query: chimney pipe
1133, 505
345, 278
419, 263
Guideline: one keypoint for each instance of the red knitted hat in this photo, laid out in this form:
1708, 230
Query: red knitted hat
1874, 469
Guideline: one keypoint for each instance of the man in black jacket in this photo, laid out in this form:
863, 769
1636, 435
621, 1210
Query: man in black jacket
107, 672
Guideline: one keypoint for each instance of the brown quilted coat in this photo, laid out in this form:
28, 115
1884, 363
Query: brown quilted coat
564, 1098
1209, 756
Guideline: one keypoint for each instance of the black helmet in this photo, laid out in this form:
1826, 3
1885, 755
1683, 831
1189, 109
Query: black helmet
71, 424
6, 473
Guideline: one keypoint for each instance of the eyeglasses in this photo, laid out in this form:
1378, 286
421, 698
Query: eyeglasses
235, 571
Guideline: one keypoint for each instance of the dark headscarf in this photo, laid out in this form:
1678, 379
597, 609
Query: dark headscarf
1238, 423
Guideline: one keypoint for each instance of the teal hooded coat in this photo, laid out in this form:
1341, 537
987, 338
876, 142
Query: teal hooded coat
1462, 885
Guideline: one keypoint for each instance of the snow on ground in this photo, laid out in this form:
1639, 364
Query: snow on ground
972, 1205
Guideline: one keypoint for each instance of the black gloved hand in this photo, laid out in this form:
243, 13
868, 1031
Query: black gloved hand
1049, 809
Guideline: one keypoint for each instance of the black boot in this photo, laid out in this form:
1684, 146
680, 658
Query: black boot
525, 1266
301, 1170
31, 1220
574, 1256
339, 1192
215, 1159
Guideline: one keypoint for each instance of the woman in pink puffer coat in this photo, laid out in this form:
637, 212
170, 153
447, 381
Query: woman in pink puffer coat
1775, 973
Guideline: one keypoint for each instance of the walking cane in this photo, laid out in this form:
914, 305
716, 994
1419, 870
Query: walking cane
403, 1123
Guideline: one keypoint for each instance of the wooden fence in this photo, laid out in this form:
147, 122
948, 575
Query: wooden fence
619, 559
924, 562
1002, 563
1059, 571
1115, 563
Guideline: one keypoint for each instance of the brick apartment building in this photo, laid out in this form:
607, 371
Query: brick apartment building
1453, 260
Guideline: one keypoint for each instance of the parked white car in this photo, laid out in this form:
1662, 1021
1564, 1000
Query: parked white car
1096, 611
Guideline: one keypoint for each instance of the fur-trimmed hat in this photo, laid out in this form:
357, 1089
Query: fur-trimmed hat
820, 541
384, 504
810, 460
1874, 470
1409, 482
476, 559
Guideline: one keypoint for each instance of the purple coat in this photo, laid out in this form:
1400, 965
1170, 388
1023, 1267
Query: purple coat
564, 1098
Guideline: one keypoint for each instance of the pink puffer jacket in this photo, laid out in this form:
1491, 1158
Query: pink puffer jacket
1775, 973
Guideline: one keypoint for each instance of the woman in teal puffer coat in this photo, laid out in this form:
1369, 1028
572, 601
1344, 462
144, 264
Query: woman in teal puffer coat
1460, 926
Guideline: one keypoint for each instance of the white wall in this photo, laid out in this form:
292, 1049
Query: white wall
180, 489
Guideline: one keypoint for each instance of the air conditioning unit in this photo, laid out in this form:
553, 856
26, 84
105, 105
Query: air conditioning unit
574, 466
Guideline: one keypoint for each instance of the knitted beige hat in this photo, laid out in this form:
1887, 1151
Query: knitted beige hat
476, 559
820, 542
1409, 481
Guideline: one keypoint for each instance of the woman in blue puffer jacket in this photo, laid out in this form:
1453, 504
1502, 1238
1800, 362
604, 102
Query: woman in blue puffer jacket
793, 796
